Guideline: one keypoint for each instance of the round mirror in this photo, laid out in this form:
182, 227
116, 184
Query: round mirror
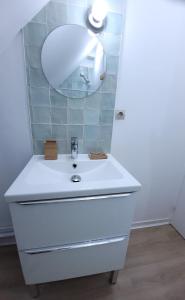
73, 61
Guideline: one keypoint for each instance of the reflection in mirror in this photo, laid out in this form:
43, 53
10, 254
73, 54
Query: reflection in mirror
73, 61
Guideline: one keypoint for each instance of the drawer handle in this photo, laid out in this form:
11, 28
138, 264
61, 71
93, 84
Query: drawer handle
76, 245
73, 199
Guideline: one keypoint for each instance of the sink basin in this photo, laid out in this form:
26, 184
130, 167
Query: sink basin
43, 179
89, 170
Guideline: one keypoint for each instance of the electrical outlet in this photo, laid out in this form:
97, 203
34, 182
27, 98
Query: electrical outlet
120, 114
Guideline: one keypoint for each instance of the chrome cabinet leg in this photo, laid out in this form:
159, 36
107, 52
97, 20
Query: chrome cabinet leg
114, 277
34, 291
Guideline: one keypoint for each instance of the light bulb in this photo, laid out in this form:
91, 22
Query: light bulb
99, 10
98, 13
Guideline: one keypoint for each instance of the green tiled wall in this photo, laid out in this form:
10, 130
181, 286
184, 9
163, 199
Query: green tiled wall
54, 115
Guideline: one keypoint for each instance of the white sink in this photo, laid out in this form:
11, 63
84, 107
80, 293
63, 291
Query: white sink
44, 179
89, 170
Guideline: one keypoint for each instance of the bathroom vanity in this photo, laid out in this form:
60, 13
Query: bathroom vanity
68, 229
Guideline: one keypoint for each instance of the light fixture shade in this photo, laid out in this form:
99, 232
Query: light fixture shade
98, 14
99, 10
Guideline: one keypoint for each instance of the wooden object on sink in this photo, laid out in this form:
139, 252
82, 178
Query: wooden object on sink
50, 150
97, 155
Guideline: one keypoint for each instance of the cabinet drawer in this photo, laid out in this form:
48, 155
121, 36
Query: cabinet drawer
58, 263
58, 222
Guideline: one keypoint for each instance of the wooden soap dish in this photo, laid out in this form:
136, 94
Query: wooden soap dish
97, 155
50, 150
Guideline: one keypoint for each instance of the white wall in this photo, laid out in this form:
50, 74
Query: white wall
14, 15
15, 139
151, 141
178, 218
151, 88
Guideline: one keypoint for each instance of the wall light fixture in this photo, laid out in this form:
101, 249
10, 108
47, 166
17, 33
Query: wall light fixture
97, 14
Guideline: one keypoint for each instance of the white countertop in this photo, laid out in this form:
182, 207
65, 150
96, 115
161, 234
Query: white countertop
41, 179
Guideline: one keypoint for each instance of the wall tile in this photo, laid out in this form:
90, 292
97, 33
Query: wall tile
74, 94
106, 116
76, 15
112, 64
111, 43
51, 27
76, 103
74, 130
33, 56
109, 83
116, 6
78, 2
114, 23
62, 1
35, 34
105, 145
39, 96
113, 5
107, 101
40, 17
59, 132
57, 99
58, 115
93, 101
41, 132
75, 116
27, 73
91, 116
38, 147
92, 145
62, 146
106, 132
37, 78
91, 132
56, 13
40, 115
80, 146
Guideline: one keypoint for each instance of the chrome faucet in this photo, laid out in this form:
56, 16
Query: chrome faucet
74, 147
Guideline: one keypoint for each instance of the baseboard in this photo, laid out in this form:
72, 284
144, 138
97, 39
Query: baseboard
6, 236
150, 223
6, 231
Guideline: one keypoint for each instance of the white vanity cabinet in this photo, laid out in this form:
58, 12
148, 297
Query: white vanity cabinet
65, 229
71, 237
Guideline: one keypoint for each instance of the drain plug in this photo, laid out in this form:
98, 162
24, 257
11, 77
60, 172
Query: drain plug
75, 178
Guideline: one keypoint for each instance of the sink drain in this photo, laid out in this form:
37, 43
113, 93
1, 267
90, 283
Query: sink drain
75, 178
